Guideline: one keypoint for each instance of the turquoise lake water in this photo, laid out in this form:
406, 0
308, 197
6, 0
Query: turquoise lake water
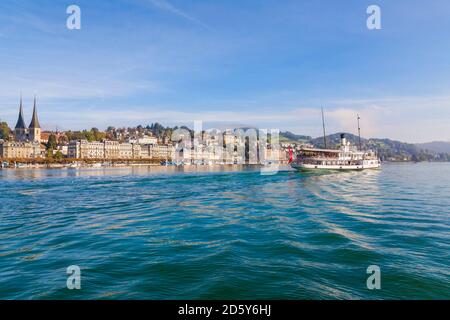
229, 233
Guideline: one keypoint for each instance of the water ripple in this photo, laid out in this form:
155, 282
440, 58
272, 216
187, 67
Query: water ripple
148, 233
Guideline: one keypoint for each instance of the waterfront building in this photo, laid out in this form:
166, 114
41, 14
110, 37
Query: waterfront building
157, 151
109, 150
117, 150
145, 152
129, 151
276, 155
64, 149
26, 144
83, 149
20, 150
212, 149
229, 138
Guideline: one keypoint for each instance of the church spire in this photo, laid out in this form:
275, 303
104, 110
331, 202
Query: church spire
20, 122
34, 120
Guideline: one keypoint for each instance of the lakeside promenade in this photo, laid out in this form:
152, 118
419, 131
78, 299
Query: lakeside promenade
43, 163
66, 162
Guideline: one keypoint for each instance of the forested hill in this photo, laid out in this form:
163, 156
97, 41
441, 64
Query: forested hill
292, 137
435, 146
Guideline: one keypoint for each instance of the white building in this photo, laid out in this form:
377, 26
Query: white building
84, 149
144, 140
157, 151
20, 150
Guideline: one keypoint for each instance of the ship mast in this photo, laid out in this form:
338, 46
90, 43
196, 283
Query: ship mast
324, 134
359, 132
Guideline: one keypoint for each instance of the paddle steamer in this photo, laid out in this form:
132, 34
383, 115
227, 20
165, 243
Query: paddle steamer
346, 157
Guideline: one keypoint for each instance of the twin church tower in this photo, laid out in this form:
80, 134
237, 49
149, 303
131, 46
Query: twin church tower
33, 132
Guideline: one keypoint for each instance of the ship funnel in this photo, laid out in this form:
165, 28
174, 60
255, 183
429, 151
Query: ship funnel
343, 140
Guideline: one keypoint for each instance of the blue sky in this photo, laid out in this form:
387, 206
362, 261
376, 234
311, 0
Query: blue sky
266, 63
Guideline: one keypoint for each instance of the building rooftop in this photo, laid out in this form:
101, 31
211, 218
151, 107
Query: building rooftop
34, 120
20, 122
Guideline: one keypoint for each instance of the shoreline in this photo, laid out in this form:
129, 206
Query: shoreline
99, 165
107, 165
102, 163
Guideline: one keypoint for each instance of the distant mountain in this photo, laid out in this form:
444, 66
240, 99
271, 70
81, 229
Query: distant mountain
387, 149
435, 146
334, 140
289, 137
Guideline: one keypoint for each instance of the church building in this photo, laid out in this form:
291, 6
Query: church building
33, 132
27, 141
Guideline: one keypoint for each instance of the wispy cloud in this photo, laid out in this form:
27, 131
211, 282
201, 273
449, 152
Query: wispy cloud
69, 87
406, 118
168, 7
28, 20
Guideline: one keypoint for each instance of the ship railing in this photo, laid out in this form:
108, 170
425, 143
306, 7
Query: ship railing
329, 162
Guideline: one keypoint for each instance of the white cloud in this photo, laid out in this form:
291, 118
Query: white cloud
72, 87
410, 119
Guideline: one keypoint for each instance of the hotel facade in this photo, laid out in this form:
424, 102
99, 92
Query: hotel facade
114, 150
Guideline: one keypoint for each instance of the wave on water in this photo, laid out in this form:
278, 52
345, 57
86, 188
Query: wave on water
225, 234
